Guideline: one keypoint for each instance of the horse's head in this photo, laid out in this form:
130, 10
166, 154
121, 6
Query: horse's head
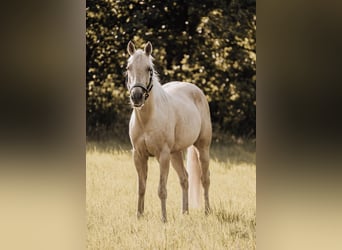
139, 73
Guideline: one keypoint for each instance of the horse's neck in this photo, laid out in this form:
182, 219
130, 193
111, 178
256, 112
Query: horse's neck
155, 101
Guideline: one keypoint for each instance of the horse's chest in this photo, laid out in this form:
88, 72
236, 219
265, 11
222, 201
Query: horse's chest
150, 142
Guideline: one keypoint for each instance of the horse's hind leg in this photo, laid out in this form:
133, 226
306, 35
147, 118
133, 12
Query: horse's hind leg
140, 163
178, 165
205, 178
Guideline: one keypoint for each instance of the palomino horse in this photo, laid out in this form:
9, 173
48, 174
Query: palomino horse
166, 120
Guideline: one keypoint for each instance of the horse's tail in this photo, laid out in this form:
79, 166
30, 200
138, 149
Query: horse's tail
195, 172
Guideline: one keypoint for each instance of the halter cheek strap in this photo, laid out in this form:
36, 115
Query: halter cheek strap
146, 89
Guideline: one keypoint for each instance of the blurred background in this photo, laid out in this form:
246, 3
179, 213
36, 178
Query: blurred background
43, 106
209, 43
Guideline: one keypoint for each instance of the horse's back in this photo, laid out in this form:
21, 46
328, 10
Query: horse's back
185, 91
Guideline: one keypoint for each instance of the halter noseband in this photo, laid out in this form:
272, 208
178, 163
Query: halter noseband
146, 89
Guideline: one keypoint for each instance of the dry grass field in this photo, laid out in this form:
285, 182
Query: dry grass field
112, 198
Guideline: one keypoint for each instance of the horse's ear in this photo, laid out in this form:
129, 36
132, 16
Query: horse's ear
130, 48
148, 48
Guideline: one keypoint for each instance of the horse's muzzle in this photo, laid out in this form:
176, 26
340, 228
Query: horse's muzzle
137, 97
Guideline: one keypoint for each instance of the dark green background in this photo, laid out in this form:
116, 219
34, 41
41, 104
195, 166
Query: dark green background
209, 43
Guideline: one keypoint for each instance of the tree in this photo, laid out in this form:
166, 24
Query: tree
209, 43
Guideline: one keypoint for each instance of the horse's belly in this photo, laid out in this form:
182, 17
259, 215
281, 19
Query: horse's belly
187, 131
182, 141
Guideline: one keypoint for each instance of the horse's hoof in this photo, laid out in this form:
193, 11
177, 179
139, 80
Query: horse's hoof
185, 212
207, 211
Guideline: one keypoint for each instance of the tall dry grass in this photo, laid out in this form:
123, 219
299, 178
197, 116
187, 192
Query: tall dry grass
112, 197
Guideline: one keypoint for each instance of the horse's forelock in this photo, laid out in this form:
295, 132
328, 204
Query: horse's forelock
141, 55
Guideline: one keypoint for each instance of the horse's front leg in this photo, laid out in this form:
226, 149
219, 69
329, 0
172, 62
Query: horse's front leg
140, 163
178, 164
164, 163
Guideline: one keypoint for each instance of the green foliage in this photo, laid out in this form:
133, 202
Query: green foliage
209, 43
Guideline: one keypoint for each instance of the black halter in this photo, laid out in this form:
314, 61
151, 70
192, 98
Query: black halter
146, 89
